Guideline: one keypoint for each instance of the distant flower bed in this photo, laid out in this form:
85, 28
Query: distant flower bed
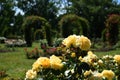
15, 43
75, 62
33, 54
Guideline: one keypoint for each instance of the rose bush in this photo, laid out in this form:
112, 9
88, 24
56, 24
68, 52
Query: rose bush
76, 62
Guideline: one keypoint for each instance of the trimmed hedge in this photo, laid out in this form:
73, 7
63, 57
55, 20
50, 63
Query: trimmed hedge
33, 23
112, 29
73, 24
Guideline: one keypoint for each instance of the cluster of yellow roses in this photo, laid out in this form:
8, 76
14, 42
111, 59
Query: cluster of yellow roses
77, 41
117, 58
83, 43
53, 62
93, 60
95, 75
90, 58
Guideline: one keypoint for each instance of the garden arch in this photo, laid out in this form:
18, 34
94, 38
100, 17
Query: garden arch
33, 23
112, 30
39, 34
73, 24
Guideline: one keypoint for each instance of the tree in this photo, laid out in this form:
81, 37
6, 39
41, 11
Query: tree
18, 20
43, 8
95, 11
6, 17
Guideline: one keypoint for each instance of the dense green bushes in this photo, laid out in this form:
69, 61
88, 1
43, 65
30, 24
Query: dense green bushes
112, 29
36, 28
73, 24
32, 24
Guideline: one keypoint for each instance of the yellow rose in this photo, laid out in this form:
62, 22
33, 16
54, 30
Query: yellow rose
73, 54
70, 40
84, 43
117, 58
100, 62
30, 74
98, 75
66, 42
77, 41
90, 53
80, 58
108, 74
55, 62
36, 66
42, 62
87, 73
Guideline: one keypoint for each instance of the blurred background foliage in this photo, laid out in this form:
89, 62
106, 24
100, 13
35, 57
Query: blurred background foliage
93, 18
73, 24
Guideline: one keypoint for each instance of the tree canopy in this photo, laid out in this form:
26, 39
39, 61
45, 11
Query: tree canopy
94, 11
6, 16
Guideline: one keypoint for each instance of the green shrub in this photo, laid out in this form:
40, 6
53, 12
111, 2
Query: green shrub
73, 24
33, 54
33, 23
38, 34
112, 29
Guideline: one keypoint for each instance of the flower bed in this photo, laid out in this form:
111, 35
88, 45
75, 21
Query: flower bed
76, 62
15, 43
33, 54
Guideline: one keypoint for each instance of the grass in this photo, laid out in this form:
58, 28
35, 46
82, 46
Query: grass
16, 64
112, 52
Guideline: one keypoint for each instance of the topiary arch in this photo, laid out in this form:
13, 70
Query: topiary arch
112, 29
73, 24
39, 34
33, 23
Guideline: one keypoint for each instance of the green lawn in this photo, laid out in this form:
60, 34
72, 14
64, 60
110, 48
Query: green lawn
16, 64
112, 52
